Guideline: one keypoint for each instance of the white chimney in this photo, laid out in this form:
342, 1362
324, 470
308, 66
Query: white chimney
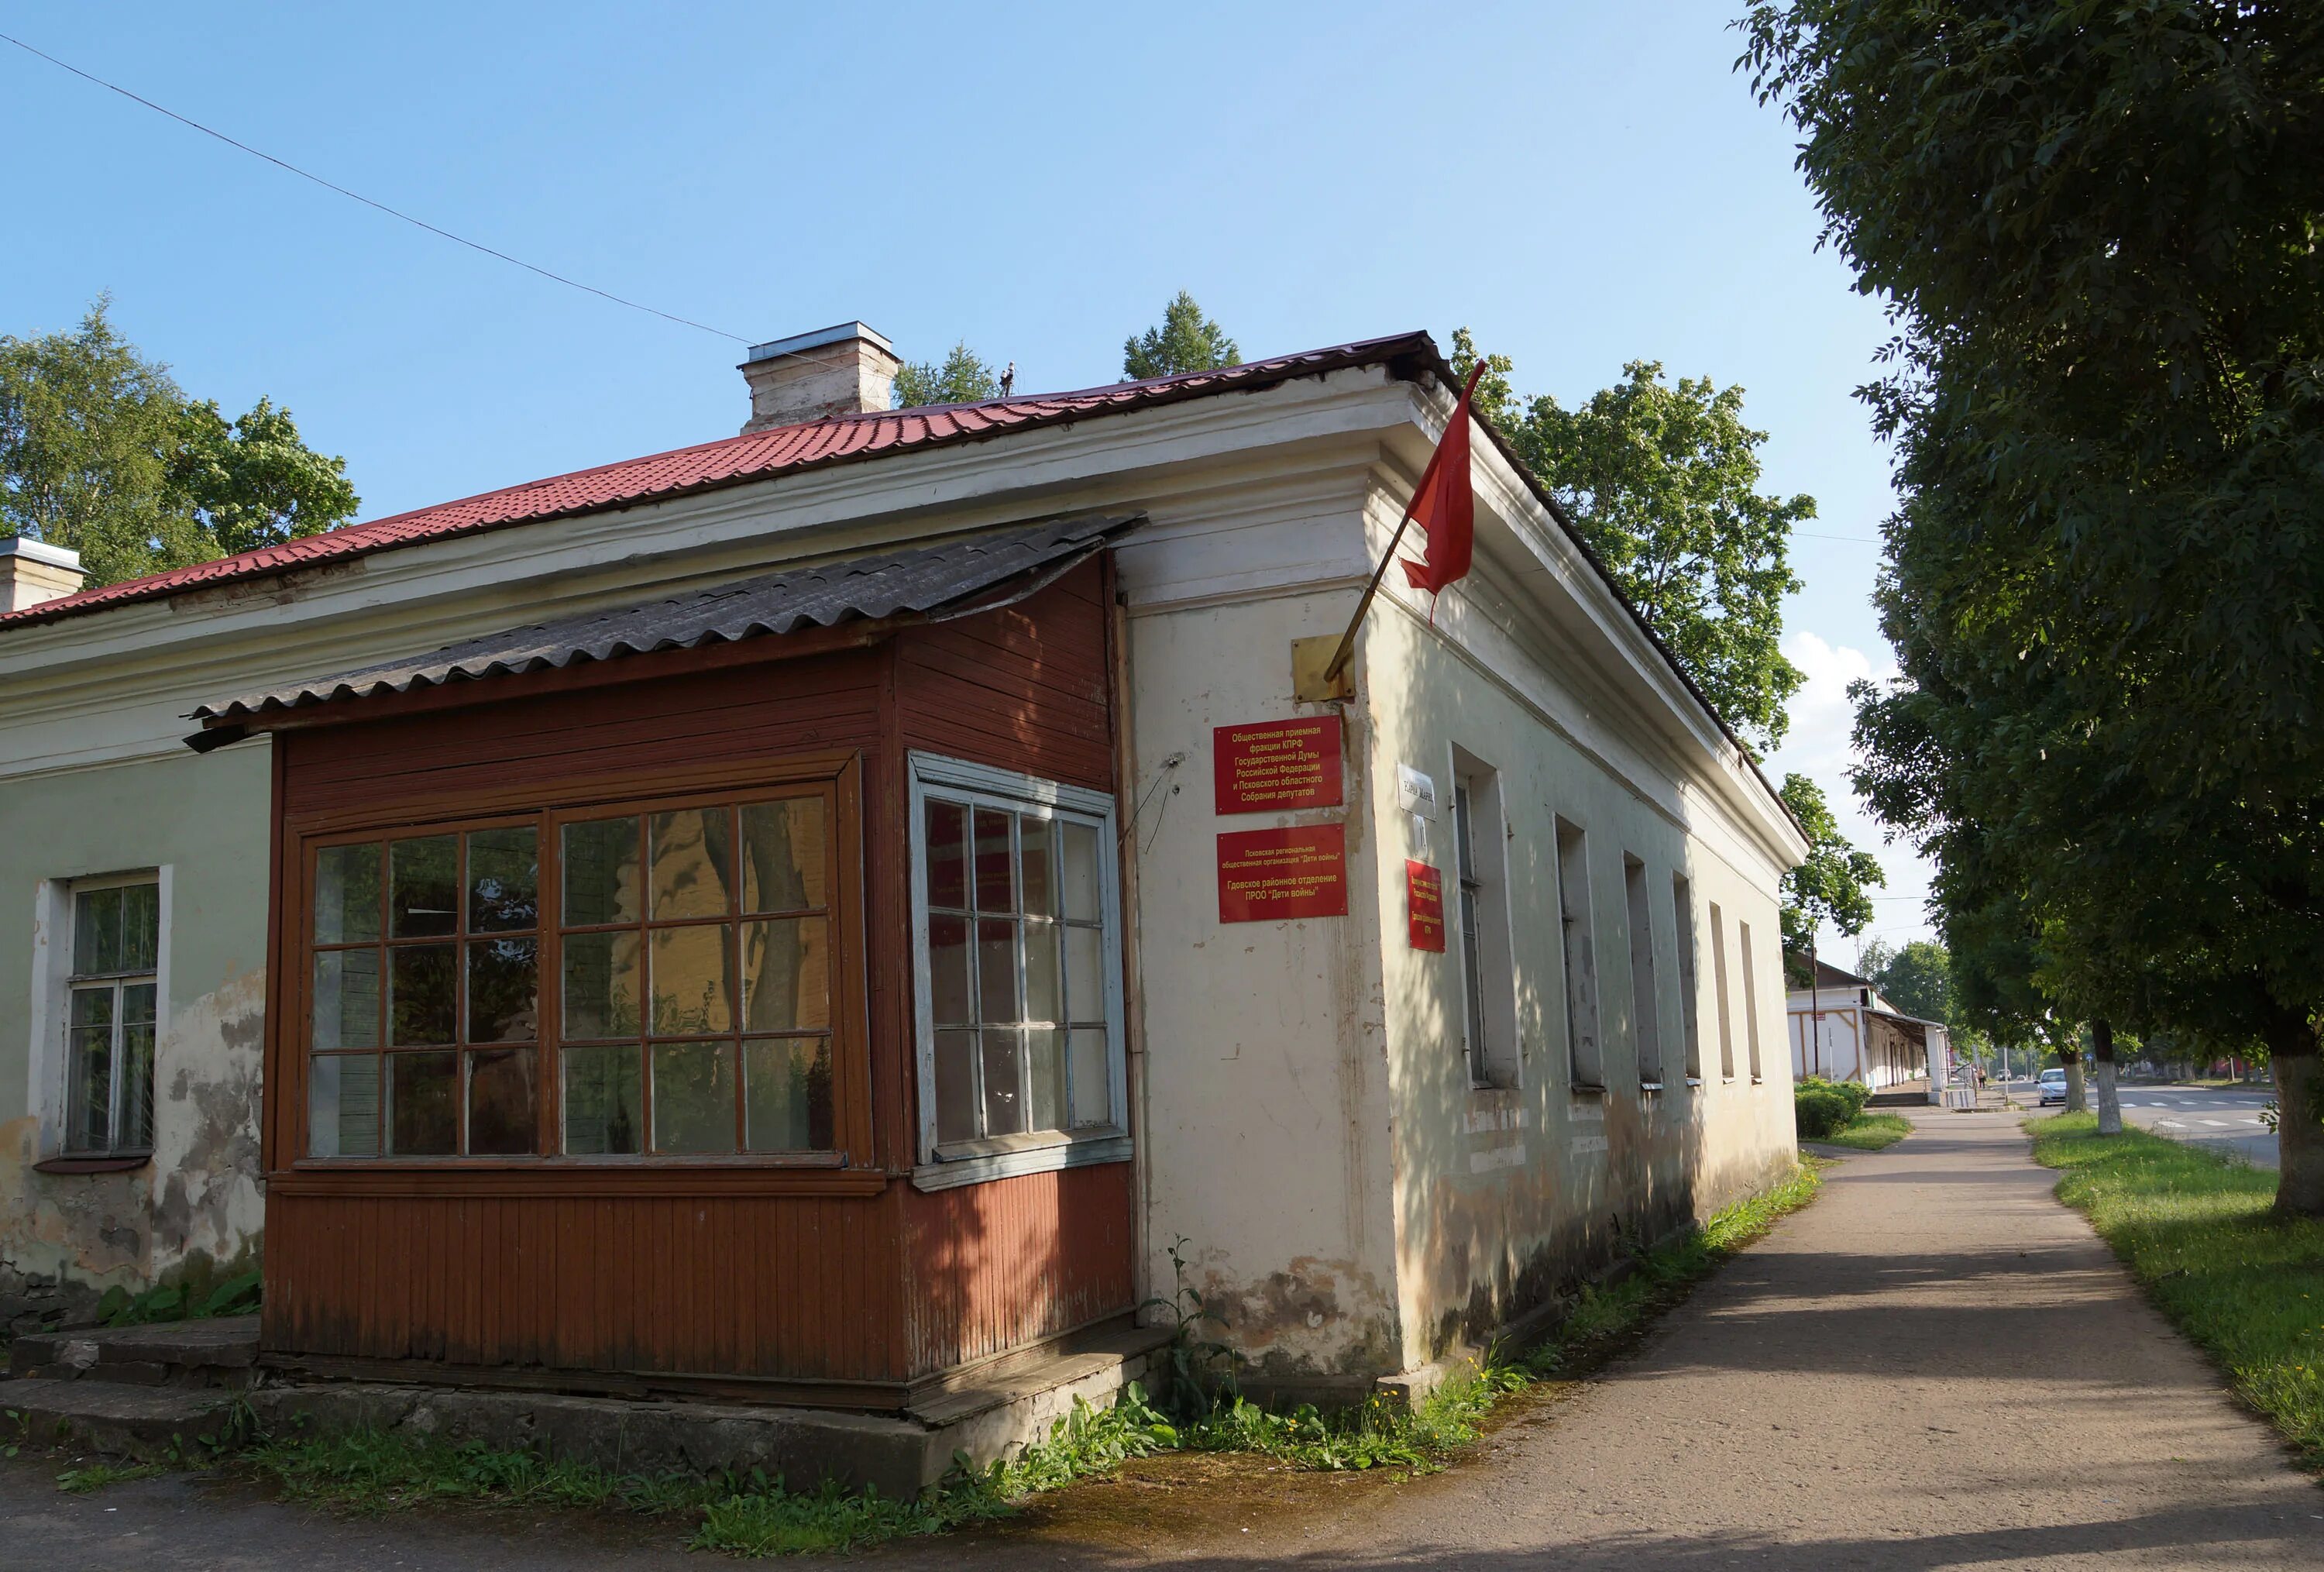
32, 571
846, 370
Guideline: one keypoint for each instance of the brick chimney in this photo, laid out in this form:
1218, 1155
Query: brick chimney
32, 571
846, 370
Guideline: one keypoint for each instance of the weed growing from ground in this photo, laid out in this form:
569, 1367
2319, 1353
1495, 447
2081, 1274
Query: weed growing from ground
1871, 1131
2198, 1232
98, 1476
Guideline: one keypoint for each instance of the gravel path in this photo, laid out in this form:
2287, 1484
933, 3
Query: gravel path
1935, 1365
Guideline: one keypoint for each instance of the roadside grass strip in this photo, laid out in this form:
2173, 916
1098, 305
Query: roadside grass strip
2196, 1229
1871, 1131
370, 1472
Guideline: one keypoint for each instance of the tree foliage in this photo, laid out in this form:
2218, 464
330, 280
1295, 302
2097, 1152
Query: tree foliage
101, 453
2097, 227
1829, 887
963, 377
1663, 480
1184, 340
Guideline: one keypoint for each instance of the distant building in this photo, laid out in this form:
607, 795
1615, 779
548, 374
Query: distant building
1843, 1029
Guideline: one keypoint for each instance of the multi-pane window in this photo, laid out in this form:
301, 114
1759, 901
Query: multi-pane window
110, 1017
660, 984
1472, 938
1690, 1010
1015, 940
1584, 1056
1644, 1024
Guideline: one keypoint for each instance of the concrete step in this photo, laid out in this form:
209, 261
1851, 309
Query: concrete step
145, 1423
220, 1352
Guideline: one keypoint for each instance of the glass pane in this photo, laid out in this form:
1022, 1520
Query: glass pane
423, 886
503, 990
1045, 1084
422, 994
1081, 871
949, 997
947, 855
693, 980
783, 856
996, 872
996, 969
89, 1069
140, 927
423, 1104
787, 974
605, 1091
346, 999
955, 1086
1004, 1092
500, 1121
137, 1130
602, 983
346, 894
787, 1094
601, 872
1041, 999
343, 1106
96, 931
692, 852
1090, 1066
1037, 858
137, 1004
694, 1096
504, 879
1085, 973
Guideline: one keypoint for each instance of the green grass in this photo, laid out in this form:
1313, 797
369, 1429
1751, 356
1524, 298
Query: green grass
368, 1472
1871, 1132
2197, 1231
98, 1476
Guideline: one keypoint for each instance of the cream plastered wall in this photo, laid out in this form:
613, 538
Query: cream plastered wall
1509, 1192
200, 825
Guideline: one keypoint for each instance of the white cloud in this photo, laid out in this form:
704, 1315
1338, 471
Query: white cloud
1818, 745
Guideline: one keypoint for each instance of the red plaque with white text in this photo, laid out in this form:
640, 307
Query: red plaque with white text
1270, 765
1424, 904
1268, 875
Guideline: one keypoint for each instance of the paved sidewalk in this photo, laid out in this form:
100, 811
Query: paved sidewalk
1935, 1365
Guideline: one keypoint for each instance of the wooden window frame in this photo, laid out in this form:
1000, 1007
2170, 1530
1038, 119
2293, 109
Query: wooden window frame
78, 978
549, 807
943, 1166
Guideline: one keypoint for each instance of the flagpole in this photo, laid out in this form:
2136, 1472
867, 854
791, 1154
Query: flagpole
1347, 649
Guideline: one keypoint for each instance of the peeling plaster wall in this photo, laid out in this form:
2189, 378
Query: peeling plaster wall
1508, 1195
64, 1237
1266, 1117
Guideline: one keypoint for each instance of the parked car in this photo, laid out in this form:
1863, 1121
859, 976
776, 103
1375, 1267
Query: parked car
2054, 1087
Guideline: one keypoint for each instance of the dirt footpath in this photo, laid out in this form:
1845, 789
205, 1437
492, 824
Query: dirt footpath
1935, 1365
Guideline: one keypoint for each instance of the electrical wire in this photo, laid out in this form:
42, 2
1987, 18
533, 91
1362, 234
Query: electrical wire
368, 202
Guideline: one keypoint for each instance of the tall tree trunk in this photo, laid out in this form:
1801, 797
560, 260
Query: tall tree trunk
2102, 1051
2078, 1100
2299, 1129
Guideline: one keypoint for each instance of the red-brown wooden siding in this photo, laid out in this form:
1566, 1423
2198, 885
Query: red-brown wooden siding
465, 1266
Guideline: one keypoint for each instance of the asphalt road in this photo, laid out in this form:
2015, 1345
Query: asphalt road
2224, 1121
1934, 1365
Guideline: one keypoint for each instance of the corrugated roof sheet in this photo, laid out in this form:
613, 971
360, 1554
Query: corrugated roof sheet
955, 576
732, 461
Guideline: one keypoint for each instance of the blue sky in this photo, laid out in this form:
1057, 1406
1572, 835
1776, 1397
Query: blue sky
1582, 185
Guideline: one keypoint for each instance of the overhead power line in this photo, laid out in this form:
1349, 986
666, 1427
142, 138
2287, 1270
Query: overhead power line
368, 202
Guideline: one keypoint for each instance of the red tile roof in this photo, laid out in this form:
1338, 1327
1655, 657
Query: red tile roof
733, 461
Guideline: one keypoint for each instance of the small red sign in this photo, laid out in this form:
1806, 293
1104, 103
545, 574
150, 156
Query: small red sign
1275, 764
1266, 875
1424, 904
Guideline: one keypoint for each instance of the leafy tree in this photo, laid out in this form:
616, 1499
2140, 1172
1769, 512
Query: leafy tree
1187, 340
101, 453
1918, 979
1662, 480
964, 378
1829, 887
2097, 225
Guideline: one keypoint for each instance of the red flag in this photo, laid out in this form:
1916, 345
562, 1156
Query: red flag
1445, 506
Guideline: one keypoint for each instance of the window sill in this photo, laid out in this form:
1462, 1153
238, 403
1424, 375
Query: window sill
93, 1164
1650, 1086
949, 1173
1694, 1080
1588, 1089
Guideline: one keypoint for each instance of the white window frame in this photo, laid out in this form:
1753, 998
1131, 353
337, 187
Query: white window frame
1008, 790
51, 1013
1487, 1034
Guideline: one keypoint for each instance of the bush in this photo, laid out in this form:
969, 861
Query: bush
1819, 1111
